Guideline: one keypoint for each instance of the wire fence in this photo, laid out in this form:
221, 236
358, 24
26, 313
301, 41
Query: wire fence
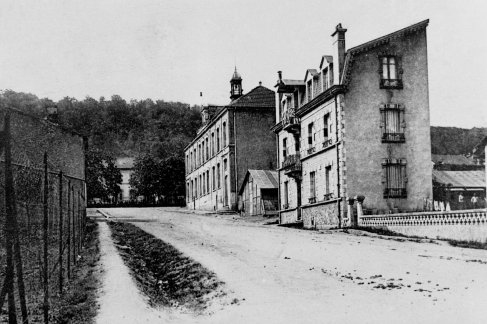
43, 213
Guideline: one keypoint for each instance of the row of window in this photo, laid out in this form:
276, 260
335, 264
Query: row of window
206, 149
203, 184
394, 179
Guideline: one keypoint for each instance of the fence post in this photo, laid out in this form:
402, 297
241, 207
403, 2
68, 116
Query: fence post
60, 260
45, 228
69, 230
8, 285
74, 228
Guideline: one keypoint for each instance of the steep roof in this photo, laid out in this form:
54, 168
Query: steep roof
467, 179
264, 179
125, 163
451, 159
258, 97
375, 43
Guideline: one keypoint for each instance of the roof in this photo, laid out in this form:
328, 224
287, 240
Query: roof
264, 179
125, 163
466, 179
258, 97
375, 43
236, 75
451, 159
289, 82
313, 72
328, 58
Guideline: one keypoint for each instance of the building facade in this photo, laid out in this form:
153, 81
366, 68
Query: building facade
232, 139
356, 126
126, 167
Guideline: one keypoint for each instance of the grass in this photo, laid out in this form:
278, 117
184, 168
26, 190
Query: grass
163, 273
79, 304
468, 244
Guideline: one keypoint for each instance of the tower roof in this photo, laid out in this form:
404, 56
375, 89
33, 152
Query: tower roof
236, 75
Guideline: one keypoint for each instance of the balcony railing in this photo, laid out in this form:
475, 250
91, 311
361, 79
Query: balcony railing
391, 84
328, 196
395, 193
327, 142
393, 138
312, 200
311, 150
290, 122
292, 165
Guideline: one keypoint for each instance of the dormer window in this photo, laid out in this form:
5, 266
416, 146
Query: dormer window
390, 72
326, 84
309, 90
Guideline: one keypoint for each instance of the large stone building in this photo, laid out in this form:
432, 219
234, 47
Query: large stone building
232, 139
357, 125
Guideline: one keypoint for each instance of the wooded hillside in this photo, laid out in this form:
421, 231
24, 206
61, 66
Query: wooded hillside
453, 140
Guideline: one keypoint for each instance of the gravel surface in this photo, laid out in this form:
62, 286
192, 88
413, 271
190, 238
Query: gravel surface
283, 275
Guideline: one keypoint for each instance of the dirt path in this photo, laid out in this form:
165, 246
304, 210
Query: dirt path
120, 300
283, 275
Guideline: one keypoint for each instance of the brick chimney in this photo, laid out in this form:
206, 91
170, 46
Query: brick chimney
338, 52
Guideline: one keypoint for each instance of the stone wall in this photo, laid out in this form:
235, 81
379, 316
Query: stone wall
320, 216
288, 216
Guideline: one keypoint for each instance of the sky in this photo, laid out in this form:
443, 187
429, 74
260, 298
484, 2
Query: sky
173, 50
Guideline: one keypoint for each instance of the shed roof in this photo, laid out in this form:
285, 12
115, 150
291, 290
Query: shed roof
451, 159
259, 96
264, 179
467, 179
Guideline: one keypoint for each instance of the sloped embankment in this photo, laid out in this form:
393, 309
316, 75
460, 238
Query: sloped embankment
163, 273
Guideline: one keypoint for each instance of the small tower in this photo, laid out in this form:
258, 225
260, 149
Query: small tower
235, 85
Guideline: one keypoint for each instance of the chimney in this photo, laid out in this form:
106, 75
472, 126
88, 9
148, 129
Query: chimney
339, 52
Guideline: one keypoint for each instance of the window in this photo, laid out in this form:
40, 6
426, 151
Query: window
225, 165
192, 190
394, 178
310, 134
218, 175
392, 123
195, 187
309, 90
390, 72
285, 198
194, 158
199, 154
207, 150
284, 148
218, 140
213, 179
224, 131
200, 189
328, 194
212, 144
326, 120
312, 187
208, 181
325, 79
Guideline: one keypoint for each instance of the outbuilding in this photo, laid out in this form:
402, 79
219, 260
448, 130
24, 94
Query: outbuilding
258, 193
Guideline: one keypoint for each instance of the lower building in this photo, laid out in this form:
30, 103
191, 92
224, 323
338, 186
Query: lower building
258, 193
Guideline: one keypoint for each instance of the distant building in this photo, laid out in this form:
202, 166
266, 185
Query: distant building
449, 185
454, 163
232, 139
258, 193
126, 167
356, 125
478, 152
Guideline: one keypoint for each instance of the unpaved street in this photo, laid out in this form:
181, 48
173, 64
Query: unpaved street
282, 275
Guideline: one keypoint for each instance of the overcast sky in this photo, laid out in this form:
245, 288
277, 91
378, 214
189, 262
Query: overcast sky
172, 50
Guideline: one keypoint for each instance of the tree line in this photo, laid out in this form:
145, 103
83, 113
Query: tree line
154, 132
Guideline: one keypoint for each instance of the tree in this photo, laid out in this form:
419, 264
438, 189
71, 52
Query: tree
103, 178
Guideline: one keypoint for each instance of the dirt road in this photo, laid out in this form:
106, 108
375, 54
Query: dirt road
282, 275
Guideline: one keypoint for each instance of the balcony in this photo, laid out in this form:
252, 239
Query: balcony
311, 150
292, 166
395, 193
290, 122
393, 138
391, 84
327, 143
312, 200
328, 196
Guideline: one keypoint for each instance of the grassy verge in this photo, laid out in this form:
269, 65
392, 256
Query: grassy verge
468, 244
163, 273
79, 302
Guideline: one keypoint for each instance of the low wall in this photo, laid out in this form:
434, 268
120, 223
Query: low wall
320, 216
289, 216
469, 225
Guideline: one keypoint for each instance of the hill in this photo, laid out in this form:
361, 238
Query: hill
453, 140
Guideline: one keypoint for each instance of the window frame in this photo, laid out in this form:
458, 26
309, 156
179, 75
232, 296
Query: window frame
396, 191
393, 137
388, 82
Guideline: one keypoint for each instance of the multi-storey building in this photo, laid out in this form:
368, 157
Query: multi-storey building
232, 139
356, 126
